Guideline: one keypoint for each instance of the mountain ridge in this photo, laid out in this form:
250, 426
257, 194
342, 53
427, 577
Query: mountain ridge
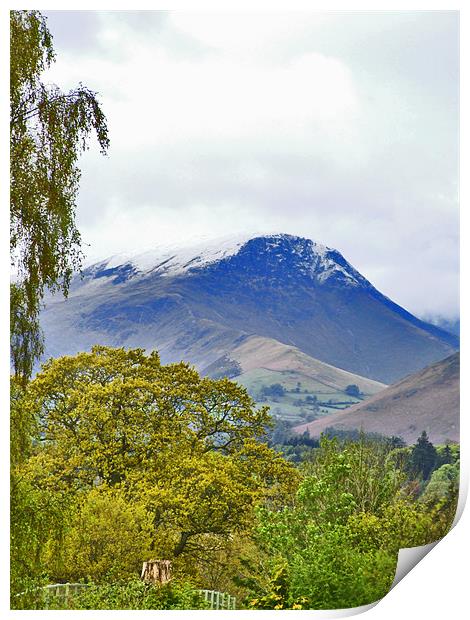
196, 305
310, 388
176, 260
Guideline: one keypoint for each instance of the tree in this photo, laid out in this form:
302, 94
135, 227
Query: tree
440, 484
447, 458
423, 456
448, 454
357, 476
26, 342
48, 131
276, 390
37, 515
353, 390
183, 446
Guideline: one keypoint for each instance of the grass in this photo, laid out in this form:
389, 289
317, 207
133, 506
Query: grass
283, 406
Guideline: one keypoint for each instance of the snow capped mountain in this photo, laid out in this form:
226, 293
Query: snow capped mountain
198, 303
304, 256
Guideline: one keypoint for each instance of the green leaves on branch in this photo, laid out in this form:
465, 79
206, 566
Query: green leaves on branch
26, 342
338, 543
119, 412
49, 130
183, 448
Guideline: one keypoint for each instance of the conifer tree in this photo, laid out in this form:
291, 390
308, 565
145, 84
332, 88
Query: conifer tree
423, 456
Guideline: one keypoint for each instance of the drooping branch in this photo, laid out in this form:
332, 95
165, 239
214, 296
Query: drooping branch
25, 115
48, 131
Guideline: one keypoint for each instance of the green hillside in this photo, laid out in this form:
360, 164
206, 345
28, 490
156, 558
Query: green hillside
297, 387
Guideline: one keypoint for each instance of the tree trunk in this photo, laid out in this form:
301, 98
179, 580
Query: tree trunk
156, 571
184, 537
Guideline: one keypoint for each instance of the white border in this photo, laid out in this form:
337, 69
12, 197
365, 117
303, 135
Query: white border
437, 588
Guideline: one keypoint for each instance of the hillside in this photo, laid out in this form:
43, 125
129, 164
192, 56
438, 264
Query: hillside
427, 400
199, 303
310, 388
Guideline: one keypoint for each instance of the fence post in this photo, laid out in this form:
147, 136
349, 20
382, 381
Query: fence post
218, 600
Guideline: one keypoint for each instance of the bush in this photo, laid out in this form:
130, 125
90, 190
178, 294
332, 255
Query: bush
135, 594
353, 390
332, 574
108, 540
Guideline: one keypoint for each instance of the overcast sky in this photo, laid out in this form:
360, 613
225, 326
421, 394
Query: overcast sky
341, 127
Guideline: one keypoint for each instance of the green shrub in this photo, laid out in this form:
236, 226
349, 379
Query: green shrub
135, 594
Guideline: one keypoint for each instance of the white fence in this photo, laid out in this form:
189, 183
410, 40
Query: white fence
56, 590
218, 600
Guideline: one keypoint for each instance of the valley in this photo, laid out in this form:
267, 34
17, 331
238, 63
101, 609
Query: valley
286, 317
427, 400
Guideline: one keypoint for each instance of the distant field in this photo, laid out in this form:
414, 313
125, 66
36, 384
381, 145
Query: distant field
283, 406
427, 400
310, 389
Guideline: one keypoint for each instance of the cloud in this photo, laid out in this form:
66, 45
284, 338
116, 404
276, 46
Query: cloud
338, 126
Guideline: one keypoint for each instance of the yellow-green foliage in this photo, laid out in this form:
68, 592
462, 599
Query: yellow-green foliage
155, 459
107, 538
132, 460
399, 525
49, 130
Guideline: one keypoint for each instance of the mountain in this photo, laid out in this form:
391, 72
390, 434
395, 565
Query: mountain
294, 385
427, 400
199, 303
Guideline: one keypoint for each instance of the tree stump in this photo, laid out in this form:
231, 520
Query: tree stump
156, 571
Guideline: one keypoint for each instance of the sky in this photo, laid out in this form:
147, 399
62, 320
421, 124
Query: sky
340, 127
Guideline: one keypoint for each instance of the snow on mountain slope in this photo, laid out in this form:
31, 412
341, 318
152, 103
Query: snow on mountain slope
175, 259
312, 259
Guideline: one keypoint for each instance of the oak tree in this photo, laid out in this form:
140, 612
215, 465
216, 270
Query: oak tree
185, 447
